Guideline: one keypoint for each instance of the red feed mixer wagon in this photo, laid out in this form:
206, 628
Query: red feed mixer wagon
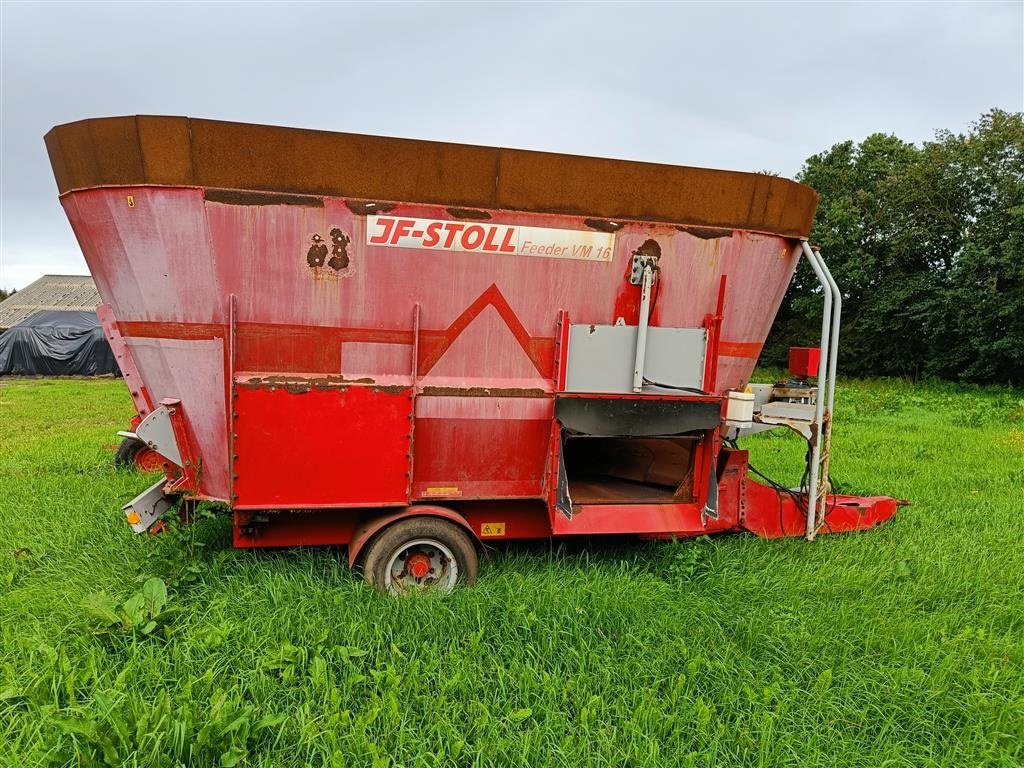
412, 348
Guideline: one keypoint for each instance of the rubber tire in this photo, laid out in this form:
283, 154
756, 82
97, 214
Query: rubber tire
131, 451
125, 456
398, 534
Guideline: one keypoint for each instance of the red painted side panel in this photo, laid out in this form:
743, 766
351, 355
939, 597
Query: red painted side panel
192, 371
590, 519
150, 257
497, 520
296, 528
481, 447
321, 447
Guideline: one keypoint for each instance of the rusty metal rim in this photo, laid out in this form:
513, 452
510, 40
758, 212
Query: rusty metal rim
181, 151
447, 564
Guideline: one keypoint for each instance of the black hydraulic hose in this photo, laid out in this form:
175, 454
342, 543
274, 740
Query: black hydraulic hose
692, 390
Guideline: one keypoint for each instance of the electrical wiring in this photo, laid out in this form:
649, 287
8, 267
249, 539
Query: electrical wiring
799, 496
693, 390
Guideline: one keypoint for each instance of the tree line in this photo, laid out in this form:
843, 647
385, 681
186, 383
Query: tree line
927, 244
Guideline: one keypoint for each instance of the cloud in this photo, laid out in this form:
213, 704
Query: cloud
739, 85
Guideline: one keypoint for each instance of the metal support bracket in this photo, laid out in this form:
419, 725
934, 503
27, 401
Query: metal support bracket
166, 432
641, 262
148, 507
157, 431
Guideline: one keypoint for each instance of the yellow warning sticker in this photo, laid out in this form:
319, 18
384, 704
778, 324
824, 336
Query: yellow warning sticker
492, 529
443, 490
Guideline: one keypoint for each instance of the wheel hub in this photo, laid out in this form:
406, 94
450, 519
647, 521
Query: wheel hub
421, 564
418, 564
148, 460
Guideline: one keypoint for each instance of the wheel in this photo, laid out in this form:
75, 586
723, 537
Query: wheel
420, 553
135, 454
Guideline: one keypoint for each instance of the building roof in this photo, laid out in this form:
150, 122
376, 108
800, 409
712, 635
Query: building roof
60, 292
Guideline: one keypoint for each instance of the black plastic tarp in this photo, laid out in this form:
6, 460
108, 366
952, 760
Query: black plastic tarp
53, 343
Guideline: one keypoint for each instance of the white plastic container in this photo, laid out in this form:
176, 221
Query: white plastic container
739, 409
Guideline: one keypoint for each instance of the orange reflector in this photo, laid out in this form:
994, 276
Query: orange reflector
133, 518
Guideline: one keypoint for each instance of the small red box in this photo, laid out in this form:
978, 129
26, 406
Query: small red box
804, 361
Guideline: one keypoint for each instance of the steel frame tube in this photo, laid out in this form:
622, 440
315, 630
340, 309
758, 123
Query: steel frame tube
819, 404
641, 328
833, 362
837, 308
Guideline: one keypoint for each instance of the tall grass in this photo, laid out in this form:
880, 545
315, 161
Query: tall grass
902, 646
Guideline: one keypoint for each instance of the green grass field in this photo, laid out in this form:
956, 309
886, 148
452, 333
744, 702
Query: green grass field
902, 646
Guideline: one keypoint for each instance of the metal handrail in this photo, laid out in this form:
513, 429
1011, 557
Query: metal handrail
837, 309
819, 401
833, 357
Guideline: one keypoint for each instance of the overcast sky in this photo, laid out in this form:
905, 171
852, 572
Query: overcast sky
746, 86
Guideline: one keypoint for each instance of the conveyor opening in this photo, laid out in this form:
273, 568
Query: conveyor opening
625, 470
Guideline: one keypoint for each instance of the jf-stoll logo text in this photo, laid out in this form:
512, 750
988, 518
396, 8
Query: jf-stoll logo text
510, 239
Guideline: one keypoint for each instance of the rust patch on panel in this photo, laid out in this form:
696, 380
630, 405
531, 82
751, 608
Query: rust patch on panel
602, 225
468, 213
649, 248
316, 256
317, 253
181, 151
367, 208
339, 250
302, 386
484, 392
301, 383
248, 197
706, 233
